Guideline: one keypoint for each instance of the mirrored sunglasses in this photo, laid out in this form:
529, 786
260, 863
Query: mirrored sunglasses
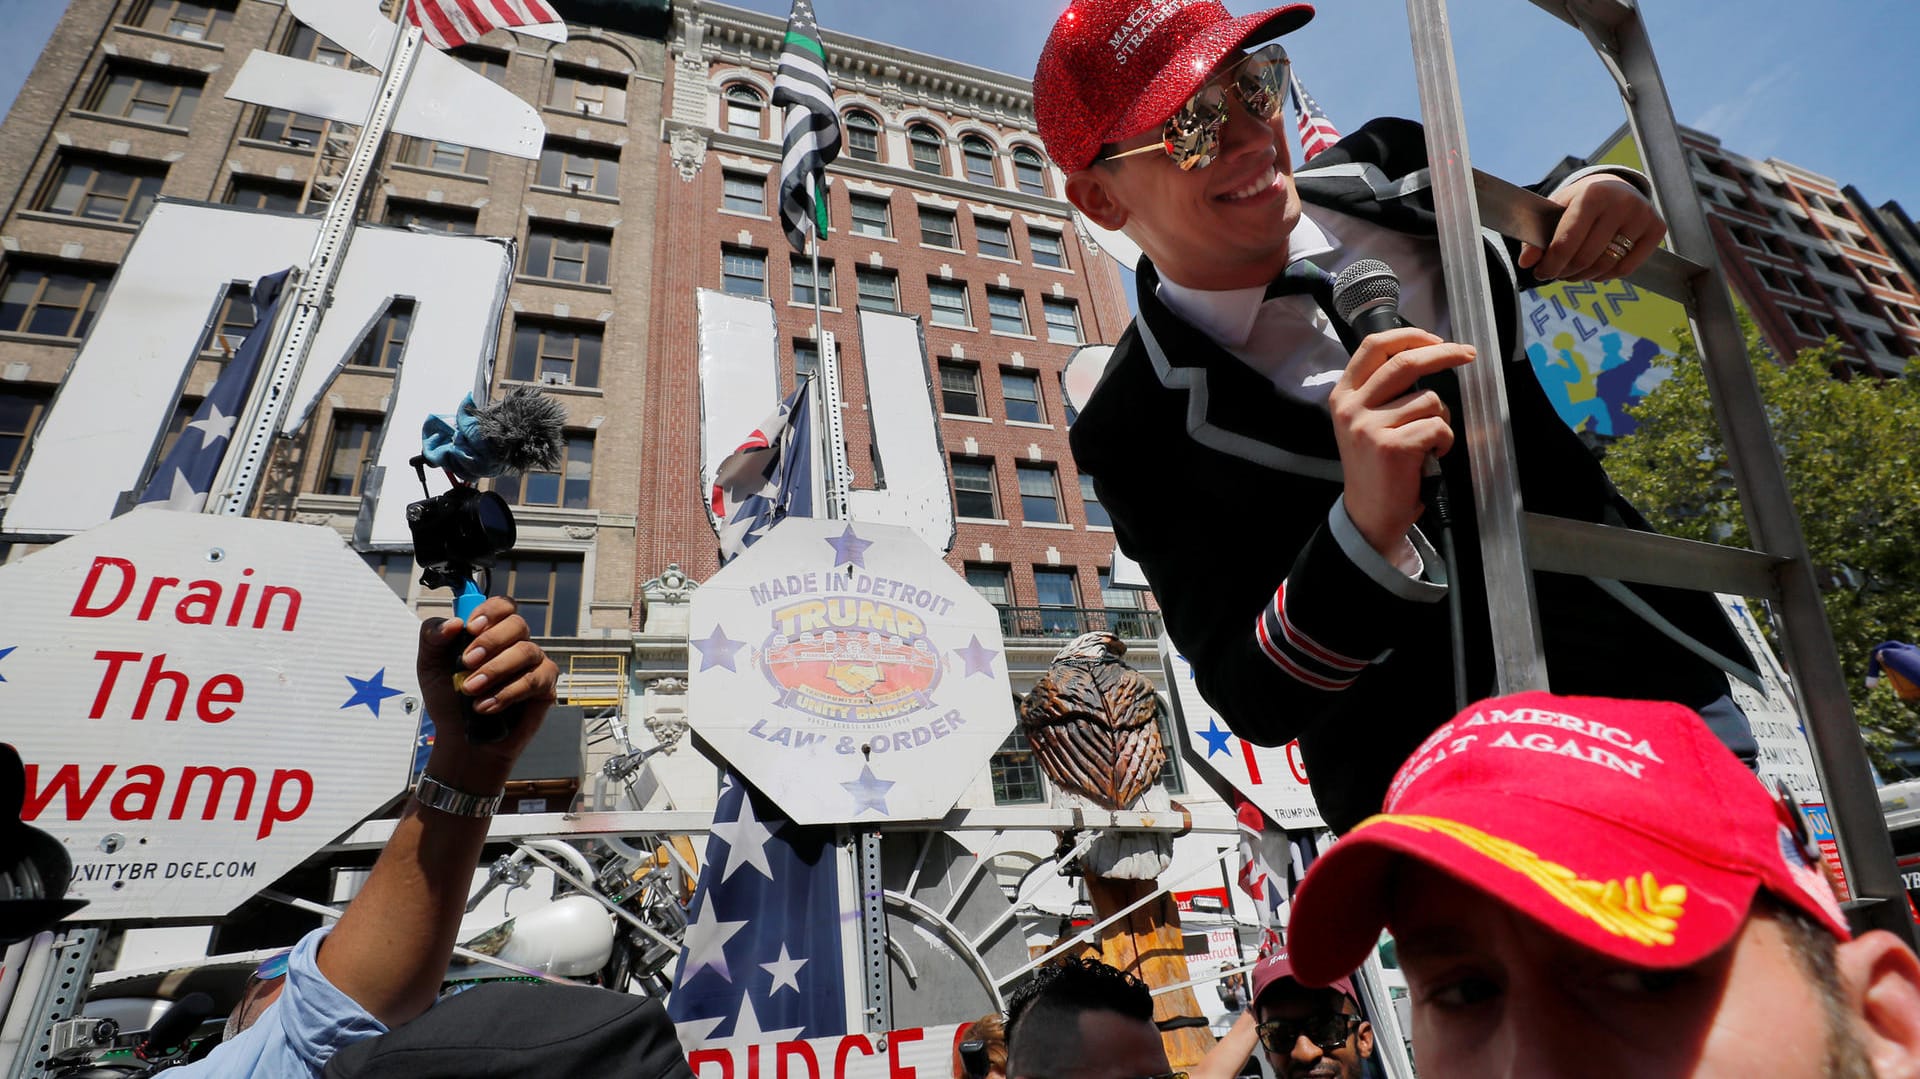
1191, 136
1328, 1030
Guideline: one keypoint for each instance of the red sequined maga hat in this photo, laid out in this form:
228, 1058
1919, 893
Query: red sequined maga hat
1113, 69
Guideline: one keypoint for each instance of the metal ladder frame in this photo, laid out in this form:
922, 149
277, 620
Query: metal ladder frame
1513, 540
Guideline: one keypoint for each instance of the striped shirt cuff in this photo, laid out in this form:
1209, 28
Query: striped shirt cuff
1298, 654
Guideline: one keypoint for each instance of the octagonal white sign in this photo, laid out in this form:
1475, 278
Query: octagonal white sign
201, 702
848, 672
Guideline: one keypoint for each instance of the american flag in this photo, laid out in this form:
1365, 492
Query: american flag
1256, 877
769, 478
185, 477
449, 24
812, 138
761, 959
1317, 133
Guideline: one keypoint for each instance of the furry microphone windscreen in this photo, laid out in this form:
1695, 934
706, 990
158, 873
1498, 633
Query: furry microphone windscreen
525, 431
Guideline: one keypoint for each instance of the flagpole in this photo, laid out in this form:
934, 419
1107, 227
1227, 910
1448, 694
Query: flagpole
246, 459
839, 473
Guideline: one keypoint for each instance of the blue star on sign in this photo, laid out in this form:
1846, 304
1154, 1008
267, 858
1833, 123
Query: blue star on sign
4, 653
717, 650
1216, 738
869, 791
370, 691
978, 657
849, 549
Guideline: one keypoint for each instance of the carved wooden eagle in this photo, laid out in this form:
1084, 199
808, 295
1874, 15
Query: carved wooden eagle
1094, 722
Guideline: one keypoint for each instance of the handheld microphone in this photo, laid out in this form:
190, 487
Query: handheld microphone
172, 1029
463, 531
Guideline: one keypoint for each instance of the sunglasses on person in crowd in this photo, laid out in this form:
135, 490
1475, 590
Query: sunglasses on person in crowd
1191, 136
1328, 1030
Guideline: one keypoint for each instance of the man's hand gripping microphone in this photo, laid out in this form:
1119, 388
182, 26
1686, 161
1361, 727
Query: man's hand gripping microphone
1366, 296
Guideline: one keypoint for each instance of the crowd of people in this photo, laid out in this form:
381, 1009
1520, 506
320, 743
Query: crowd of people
1587, 883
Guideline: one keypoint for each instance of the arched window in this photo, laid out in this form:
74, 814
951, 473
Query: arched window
863, 136
1029, 171
979, 158
926, 149
743, 111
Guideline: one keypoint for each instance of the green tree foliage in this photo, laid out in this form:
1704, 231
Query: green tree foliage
1851, 450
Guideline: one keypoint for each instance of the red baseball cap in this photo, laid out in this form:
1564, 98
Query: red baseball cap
1112, 69
1277, 966
1623, 826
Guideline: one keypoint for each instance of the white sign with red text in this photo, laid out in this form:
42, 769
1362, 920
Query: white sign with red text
1272, 777
201, 703
913, 1053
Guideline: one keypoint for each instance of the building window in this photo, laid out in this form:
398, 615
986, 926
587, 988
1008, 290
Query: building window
1063, 321
102, 190
590, 93
1016, 773
486, 63
255, 193
990, 582
744, 107
979, 160
743, 272
863, 136
1029, 171
546, 589
1021, 391
803, 283
56, 302
1057, 592
20, 410
236, 317
1090, 500
576, 256
432, 217
1171, 779
871, 216
350, 449
949, 300
154, 95
1039, 494
386, 341
394, 567
925, 143
974, 492
443, 156
306, 43
879, 289
937, 228
806, 360
1045, 248
960, 389
194, 20
557, 353
996, 237
744, 193
1008, 311
570, 486
289, 128
579, 166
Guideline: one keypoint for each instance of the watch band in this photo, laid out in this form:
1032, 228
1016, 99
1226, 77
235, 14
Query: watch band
434, 794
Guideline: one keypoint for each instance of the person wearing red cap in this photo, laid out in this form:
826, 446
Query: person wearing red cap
1581, 886
1263, 468
1309, 1033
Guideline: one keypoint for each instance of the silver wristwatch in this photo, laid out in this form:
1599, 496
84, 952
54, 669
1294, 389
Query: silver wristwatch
434, 794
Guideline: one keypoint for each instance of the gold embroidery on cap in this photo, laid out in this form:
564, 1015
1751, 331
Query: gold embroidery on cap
1637, 908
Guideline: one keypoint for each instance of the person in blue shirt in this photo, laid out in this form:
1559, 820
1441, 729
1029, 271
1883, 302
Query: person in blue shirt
382, 963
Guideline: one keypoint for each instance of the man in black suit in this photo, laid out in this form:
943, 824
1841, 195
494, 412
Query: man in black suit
1263, 467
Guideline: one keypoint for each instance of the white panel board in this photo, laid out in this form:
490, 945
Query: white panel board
906, 433
1272, 777
202, 702
105, 423
739, 377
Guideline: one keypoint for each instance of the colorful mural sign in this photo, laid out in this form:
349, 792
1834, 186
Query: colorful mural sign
848, 673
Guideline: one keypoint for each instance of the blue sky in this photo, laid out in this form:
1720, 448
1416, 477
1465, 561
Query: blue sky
1829, 86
